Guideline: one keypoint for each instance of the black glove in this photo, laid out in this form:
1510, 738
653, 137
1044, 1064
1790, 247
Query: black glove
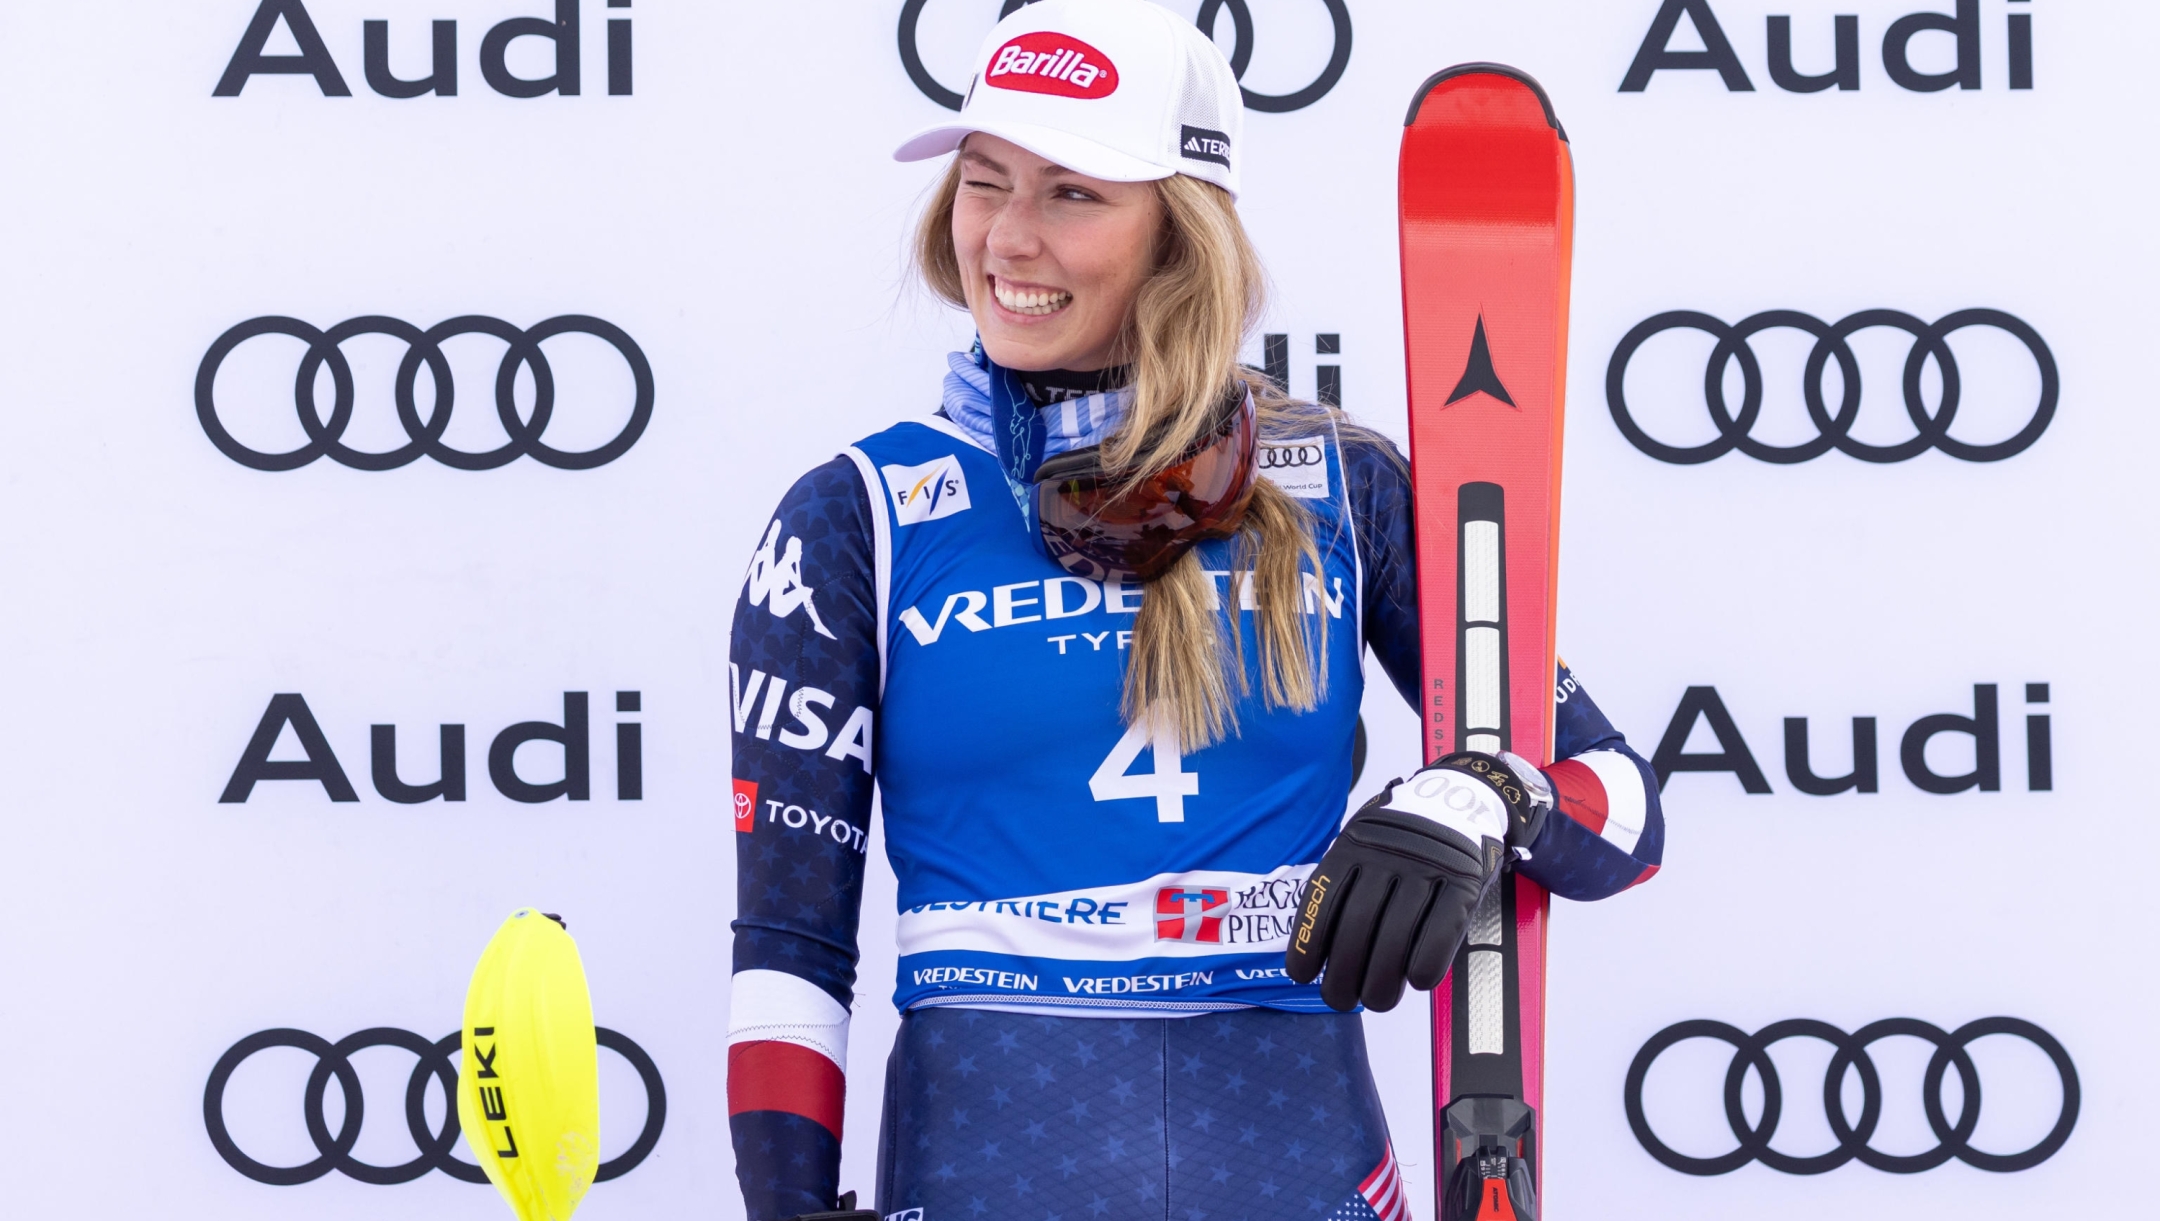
1392, 898
843, 1210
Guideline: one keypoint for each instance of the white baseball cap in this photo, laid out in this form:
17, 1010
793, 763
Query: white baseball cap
1122, 90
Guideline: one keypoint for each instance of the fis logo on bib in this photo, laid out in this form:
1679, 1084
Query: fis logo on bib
927, 492
1298, 467
1190, 914
1200, 144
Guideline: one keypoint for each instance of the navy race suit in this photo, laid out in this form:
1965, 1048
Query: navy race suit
1058, 870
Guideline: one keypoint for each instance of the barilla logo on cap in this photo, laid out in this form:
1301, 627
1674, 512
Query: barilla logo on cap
1045, 61
1204, 144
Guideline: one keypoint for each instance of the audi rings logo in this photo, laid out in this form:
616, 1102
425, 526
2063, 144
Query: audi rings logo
1833, 429
1286, 457
1241, 22
1751, 1051
325, 436
434, 1145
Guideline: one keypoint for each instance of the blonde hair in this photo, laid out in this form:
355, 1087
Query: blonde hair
1186, 665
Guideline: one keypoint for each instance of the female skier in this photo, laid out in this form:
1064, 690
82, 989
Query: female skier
1103, 664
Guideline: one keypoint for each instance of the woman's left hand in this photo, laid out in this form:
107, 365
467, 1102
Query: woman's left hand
1391, 900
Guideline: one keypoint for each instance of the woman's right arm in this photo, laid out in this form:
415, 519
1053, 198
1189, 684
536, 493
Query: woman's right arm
803, 681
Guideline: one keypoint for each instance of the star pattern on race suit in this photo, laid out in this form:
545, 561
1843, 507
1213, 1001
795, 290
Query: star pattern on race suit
1251, 1115
799, 893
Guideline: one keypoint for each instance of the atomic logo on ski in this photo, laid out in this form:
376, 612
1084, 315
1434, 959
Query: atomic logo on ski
1478, 372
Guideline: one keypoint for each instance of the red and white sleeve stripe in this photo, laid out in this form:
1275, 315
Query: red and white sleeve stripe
787, 1048
1603, 790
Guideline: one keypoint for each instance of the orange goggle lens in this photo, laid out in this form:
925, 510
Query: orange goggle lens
1094, 523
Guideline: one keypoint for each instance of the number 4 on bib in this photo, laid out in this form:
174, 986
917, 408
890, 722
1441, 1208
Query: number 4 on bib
1169, 784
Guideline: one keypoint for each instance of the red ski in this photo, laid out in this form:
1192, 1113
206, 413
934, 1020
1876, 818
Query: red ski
1487, 212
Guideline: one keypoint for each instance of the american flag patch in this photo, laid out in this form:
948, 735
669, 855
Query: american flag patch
1380, 1197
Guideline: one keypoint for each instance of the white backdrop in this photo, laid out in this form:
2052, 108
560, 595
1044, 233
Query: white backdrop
735, 214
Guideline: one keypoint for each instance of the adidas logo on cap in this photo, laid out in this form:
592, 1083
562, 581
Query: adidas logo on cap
1200, 144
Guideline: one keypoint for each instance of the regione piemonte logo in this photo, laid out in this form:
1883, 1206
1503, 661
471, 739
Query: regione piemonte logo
1045, 61
1190, 913
927, 492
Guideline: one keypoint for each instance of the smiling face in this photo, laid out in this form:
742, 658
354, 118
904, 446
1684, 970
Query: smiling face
1051, 260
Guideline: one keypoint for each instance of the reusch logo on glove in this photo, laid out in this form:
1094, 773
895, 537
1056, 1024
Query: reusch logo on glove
1316, 892
1183, 914
1045, 61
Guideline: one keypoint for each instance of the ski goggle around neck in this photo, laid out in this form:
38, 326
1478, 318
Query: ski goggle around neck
1093, 523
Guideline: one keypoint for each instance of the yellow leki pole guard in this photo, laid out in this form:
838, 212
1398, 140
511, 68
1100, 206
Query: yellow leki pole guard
529, 1088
